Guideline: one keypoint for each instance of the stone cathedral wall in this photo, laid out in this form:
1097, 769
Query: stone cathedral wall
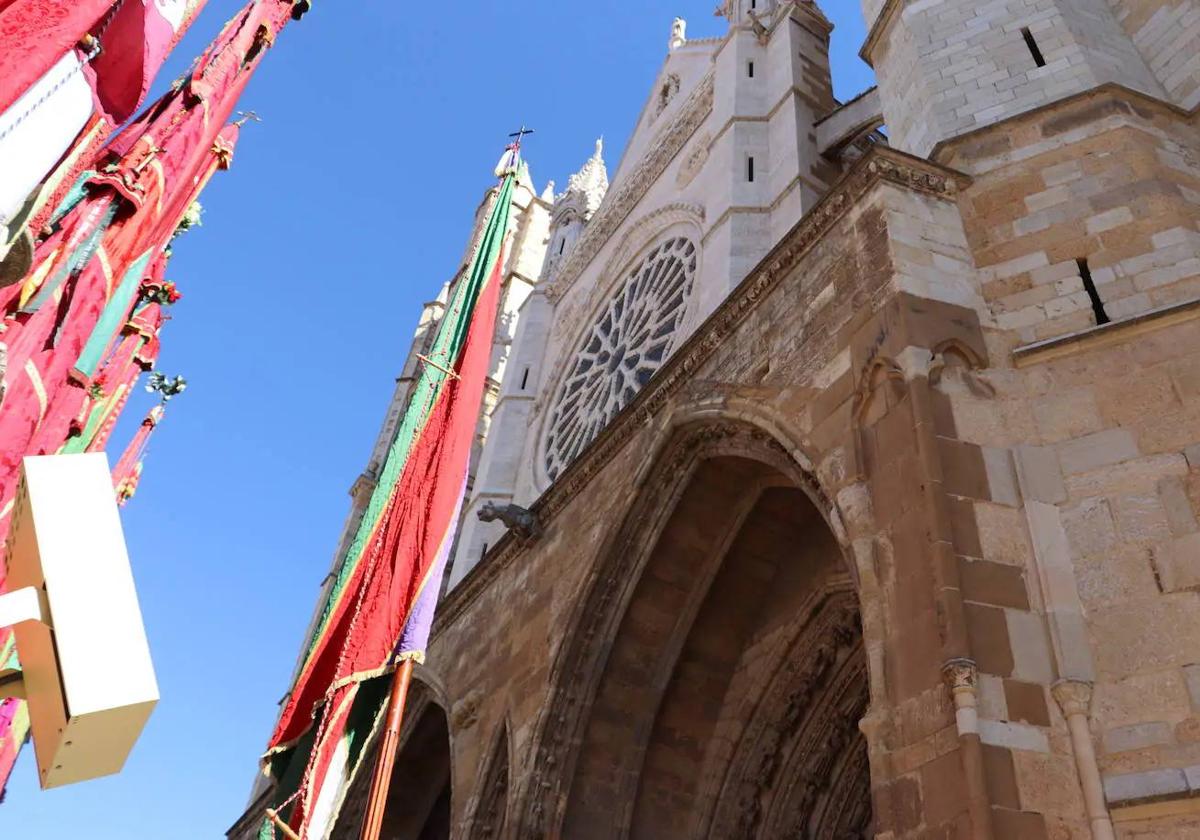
1062, 478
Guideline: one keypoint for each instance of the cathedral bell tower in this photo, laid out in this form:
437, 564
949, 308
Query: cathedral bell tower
948, 67
772, 84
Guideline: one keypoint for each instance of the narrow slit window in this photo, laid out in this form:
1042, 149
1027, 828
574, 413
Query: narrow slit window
753, 4
525, 378
750, 69
750, 169
1034, 49
1089, 285
483, 553
562, 245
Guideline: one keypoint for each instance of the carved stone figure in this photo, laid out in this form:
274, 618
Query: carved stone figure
522, 522
678, 33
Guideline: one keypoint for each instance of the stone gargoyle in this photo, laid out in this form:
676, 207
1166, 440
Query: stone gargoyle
522, 522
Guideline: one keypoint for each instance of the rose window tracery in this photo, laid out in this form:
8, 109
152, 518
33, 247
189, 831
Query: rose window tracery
630, 341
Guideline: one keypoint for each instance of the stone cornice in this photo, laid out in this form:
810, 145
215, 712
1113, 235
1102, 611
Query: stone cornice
625, 195
1106, 335
881, 165
1111, 90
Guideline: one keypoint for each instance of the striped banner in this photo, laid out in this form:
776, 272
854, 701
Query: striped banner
392, 570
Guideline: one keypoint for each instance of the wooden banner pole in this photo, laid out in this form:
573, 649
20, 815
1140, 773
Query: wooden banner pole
390, 743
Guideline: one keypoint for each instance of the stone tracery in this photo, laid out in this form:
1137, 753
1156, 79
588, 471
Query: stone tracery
630, 340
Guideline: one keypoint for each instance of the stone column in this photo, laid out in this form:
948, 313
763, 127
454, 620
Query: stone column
962, 678
876, 729
1075, 698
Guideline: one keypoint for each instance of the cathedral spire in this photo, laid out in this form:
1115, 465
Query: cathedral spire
588, 186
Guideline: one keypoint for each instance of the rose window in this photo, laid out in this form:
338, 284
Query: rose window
629, 342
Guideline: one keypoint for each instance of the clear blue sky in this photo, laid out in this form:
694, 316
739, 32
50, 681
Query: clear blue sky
346, 208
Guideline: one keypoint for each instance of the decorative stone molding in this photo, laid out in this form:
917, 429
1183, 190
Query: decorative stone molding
881, 165
667, 94
492, 790
1074, 697
954, 354
644, 231
962, 678
875, 373
809, 713
694, 161
961, 675
622, 200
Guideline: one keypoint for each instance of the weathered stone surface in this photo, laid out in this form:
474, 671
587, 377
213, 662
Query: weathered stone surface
1136, 737
1046, 782
1097, 450
1191, 674
1152, 784
1178, 563
1157, 696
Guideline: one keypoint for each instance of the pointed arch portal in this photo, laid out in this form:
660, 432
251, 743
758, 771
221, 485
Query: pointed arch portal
729, 677
418, 805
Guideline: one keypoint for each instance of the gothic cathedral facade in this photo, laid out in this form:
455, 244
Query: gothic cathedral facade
864, 443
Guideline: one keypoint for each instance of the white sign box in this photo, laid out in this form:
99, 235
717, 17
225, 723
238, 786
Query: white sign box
88, 675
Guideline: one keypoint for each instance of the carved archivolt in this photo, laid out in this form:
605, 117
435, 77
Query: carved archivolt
491, 809
782, 777
639, 235
578, 667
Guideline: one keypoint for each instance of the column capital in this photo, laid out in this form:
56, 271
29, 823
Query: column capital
961, 675
1074, 697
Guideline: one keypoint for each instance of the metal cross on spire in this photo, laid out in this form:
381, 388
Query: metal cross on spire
520, 135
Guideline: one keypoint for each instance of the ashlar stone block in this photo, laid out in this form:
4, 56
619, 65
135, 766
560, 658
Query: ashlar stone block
1094, 451
1178, 563
1136, 737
